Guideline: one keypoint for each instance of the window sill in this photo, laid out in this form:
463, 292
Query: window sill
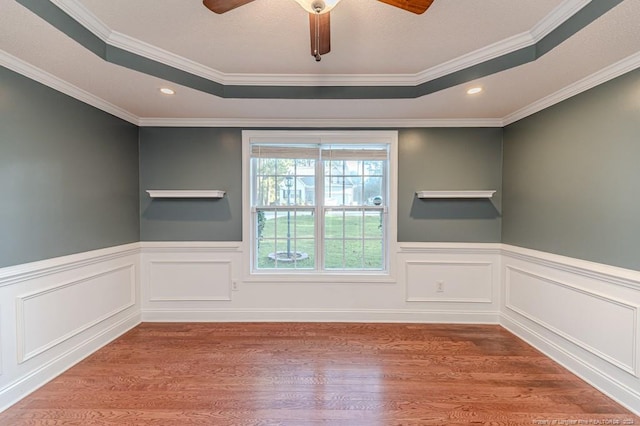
326, 278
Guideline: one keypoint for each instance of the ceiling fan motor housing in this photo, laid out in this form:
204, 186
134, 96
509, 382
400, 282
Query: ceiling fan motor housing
318, 5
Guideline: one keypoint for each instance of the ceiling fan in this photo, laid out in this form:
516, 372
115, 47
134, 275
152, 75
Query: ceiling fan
319, 20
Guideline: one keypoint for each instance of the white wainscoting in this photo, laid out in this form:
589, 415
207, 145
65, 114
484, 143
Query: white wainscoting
192, 280
196, 282
53, 313
456, 279
457, 282
180, 280
585, 315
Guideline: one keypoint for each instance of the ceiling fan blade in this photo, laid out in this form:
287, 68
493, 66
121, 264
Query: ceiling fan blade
415, 6
222, 6
321, 32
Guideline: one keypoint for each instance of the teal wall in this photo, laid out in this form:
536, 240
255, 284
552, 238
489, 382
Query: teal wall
208, 158
191, 158
68, 174
449, 159
572, 176
72, 179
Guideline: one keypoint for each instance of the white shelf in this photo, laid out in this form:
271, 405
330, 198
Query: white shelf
455, 194
185, 193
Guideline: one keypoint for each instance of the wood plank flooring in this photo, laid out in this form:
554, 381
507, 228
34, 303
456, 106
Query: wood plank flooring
311, 374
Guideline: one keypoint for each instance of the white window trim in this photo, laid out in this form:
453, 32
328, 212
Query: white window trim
320, 136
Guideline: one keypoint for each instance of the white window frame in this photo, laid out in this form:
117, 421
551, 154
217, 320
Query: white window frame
349, 137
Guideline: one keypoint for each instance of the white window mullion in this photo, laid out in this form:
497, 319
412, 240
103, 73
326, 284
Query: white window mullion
362, 239
319, 212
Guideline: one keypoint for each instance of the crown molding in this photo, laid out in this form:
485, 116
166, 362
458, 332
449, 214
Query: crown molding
81, 14
28, 70
317, 123
626, 65
556, 17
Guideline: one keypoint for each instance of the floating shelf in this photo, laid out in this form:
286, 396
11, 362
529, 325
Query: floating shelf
185, 193
455, 194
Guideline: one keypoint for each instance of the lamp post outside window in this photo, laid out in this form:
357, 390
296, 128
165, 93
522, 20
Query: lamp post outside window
288, 183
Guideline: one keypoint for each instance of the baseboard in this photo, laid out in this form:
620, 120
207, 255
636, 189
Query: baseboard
625, 395
364, 315
25, 385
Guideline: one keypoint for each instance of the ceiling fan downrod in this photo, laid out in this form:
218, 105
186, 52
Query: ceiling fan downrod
318, 7
316, 52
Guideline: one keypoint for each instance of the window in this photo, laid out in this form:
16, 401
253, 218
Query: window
319, 203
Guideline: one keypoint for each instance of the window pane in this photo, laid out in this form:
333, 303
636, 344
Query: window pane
334, 224
286, 239
332, 168
305, 224
333, 254
284, 182
353, 224
373, 191
353, 254
374, 168
338, 191
266, 191
373, 223
373, 258
306, 190
285, 166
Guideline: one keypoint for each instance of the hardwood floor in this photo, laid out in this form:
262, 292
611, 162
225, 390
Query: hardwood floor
310, 373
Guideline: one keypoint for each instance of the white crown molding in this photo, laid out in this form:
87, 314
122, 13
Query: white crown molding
86, 18
519, 41
318, 123
28, 70
21, 67
146, 50
557, 16
80, 13
623, 66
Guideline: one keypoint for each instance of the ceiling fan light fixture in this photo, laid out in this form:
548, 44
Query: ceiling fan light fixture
318, 6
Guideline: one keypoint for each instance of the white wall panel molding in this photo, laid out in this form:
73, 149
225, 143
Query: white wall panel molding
450, 276
50, 316
447, 281
585, 315
190, 275
228, 294
575, 314
55, 312
191, 280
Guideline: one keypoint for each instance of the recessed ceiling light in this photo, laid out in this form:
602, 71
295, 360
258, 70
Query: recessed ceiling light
474, 90
167, 91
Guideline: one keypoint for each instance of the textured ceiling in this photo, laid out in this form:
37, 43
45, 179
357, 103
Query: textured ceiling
268, 40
